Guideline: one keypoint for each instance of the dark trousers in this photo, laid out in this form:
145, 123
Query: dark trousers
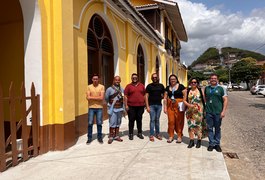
135, 113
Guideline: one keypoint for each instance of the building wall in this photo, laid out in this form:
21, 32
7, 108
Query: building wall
58, 130
126, 38
58, 61
64, 25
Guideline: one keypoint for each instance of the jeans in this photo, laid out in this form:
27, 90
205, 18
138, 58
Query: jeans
135, 113
214, 122
155, 112
91, 113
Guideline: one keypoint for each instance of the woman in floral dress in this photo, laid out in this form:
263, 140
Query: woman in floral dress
194, 101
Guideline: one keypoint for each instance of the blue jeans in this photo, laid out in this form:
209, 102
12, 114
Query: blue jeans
115, 119
91, 113
214, 122
155, 112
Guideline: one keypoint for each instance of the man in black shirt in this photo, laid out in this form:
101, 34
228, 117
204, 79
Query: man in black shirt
154, 95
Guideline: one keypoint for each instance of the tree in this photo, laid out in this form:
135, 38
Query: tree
245, 70
250, 60
196, 74
223, 74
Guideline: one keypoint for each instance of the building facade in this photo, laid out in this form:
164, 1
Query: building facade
59, 44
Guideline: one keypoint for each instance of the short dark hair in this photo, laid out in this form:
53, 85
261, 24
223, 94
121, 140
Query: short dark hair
214, 74
173, 75
134, 74
94, 75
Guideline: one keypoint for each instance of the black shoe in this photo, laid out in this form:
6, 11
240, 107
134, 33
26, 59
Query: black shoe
198, 144
100, 140
130, 136
139, 135
89, 141
218, 148
191, 144
210, 148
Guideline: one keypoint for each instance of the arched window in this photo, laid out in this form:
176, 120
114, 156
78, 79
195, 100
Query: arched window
140, 64
100, 51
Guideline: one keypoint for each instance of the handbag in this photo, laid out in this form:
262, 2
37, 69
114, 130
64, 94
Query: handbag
181, 106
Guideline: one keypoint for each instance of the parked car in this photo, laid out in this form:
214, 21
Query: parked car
262, 92
256, 88
237, 87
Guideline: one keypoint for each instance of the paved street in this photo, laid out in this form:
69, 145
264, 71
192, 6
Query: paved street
243, 133
137, 159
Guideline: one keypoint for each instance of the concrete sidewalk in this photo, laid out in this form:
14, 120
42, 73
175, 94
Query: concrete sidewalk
137, 159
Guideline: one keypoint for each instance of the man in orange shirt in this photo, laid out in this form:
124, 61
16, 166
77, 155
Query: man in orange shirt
95, 95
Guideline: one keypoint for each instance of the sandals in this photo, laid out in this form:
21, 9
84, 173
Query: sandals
179, 140
151, 138
159, 137
170, 140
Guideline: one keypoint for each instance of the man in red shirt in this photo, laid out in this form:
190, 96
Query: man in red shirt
134, 103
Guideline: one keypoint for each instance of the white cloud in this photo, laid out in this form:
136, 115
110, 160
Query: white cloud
210, 27
258, 12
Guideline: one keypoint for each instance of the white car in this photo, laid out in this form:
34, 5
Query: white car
262, 92
254, 90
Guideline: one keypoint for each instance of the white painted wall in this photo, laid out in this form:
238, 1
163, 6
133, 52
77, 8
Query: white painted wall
32, 47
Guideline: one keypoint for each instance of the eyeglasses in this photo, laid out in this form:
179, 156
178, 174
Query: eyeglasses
134, 77
193, 82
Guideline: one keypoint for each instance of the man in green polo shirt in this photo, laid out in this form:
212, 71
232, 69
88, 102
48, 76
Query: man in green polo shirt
216, 104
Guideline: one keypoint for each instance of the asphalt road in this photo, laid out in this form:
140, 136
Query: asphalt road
243, 133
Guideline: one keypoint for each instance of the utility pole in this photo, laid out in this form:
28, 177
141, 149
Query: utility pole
229, 71
220, 56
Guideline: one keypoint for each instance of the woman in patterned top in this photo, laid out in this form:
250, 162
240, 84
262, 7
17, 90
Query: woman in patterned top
194, 101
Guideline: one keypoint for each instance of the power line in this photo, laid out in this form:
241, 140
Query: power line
260, 47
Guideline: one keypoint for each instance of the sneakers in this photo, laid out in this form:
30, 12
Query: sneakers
139, 135
100, 140
89, 141
130, 136
218, 148
210, 148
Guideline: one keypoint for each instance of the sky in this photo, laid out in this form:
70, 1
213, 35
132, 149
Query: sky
222, 23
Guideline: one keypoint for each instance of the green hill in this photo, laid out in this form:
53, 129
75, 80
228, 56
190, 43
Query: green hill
211, 55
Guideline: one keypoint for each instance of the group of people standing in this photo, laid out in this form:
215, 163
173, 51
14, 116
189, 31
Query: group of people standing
209, 103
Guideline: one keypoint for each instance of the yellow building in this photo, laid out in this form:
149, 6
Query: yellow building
59, 44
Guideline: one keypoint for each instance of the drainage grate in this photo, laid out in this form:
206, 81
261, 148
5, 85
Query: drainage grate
230, 155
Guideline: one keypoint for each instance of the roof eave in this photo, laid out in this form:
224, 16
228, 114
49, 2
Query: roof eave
141, 21
175, 16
